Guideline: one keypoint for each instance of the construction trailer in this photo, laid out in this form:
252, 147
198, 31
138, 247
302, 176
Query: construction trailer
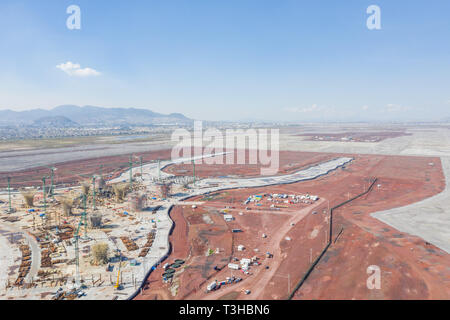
228, 217
233, 266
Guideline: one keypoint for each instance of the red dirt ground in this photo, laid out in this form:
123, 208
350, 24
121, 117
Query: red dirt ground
191, 238
72, 172
411, 269
289, 162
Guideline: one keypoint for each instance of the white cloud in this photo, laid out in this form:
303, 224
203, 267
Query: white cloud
74, 69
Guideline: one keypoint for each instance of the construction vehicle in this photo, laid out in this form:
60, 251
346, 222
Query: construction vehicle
117, 286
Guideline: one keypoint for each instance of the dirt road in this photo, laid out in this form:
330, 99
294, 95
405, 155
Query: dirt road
259, 280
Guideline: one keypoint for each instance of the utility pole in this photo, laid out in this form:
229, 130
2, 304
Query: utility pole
288, 276
193, 169
9, 194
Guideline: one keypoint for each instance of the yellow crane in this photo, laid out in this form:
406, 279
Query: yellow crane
117, 286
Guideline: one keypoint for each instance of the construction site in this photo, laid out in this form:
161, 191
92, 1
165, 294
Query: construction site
224, 156
182, 229
88, 241
260, 243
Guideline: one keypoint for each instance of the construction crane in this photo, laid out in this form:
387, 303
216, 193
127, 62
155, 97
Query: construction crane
131, 172
77, 256
52, 187
84, 176
117, 286
83, 220
93, 193
130, 162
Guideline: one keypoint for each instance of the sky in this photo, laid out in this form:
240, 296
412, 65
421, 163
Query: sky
280, 60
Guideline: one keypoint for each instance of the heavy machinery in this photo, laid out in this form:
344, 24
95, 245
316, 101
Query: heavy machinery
117, 286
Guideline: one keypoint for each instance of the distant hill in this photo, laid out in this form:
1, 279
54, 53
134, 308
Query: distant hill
90, 116
55, 122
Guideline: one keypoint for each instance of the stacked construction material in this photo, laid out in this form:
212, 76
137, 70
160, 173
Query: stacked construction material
147, 245
43, 274
25, 265
46, 261
56, 261
48, 249
129, 244
65, 233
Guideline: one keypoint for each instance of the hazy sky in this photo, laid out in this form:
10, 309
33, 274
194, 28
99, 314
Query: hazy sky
230, 59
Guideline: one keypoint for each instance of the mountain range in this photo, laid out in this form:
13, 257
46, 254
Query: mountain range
70, 115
